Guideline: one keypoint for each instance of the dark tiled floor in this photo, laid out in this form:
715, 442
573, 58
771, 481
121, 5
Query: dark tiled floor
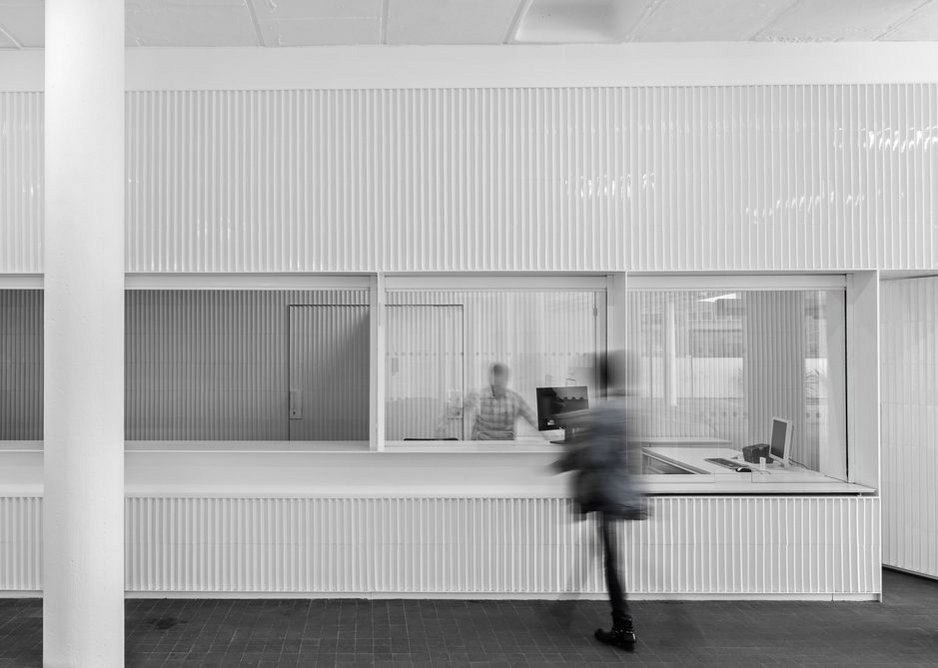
901, 631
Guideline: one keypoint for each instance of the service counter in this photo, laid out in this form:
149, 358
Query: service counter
419, 468
445, 519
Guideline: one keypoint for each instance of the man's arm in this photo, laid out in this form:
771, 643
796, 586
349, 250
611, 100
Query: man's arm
525, 411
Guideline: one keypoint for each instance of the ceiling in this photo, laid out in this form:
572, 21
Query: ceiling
347, 22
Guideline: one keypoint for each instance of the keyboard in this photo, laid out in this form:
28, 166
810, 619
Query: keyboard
728, 463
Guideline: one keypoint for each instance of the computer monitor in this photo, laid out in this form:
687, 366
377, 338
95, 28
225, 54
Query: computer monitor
780, 443
553, 402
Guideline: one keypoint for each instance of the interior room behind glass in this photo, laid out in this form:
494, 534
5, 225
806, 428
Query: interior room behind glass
441, 346
719, 365
247, 365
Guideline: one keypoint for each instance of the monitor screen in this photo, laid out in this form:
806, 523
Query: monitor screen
555, 401
779, 438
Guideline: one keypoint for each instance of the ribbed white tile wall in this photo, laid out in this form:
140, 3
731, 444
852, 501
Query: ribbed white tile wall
742, 545
20, 543
760, 177
692, 545
21, 358
776, 348
212, 364
666, 178
909, 354
21, 176
328, 359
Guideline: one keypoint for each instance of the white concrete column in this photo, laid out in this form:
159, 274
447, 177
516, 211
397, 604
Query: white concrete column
83, 505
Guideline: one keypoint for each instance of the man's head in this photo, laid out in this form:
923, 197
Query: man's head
498, 376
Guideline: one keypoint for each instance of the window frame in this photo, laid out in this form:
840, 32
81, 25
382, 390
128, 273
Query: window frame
596, 282
858, 445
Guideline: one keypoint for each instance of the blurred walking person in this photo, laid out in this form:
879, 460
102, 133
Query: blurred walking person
605, 468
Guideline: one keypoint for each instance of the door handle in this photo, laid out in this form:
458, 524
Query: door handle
296, 404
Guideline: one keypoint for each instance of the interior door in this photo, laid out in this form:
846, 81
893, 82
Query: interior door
425, 372
329, 352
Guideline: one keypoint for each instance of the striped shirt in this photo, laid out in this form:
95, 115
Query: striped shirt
496, 416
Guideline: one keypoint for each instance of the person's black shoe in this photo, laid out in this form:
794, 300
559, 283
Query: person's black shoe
622, 635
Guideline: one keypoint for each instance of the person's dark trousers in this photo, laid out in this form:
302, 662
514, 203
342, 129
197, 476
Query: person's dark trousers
622, 633
620, 608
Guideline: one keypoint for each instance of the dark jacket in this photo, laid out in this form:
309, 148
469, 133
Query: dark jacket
604, 465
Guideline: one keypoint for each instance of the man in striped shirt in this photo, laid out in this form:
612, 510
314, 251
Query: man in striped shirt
497, 408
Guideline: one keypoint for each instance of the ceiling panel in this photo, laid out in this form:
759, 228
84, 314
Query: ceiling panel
322, 22
23, 21
922, 25
312, 32
578, 21
319, 22
450, 21
6, 42
711, 21
318, 9
178, 23
834, 20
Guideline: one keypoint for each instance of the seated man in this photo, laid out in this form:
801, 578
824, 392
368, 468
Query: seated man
497, 408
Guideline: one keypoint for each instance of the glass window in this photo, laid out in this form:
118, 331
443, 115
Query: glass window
719, 365
247, 365
21, 365
443, 347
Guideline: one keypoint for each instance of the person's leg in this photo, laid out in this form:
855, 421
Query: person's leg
607, 528
621, 634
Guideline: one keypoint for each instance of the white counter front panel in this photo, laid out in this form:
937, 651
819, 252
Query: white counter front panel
799, 547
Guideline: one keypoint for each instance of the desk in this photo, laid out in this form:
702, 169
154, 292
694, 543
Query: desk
683, 441
699, 474
694, 459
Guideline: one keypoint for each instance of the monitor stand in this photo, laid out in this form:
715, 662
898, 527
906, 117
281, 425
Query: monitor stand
569, 436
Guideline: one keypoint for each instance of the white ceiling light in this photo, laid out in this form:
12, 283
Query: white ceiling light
573, 21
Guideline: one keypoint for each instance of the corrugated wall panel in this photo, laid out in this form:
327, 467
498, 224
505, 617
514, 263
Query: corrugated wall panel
20, 543
698, 545
668, 178
329, 347
212, 364
691, 545
909, 357
21, 179
705, 178
426, 359
21, 371
774, 365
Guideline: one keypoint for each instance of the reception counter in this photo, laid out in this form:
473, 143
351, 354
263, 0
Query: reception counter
230, 519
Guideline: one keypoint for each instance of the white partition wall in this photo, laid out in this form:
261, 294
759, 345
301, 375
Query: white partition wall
910, 424
590, 167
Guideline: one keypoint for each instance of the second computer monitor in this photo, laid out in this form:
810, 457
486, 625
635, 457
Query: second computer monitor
780, 443
553, 402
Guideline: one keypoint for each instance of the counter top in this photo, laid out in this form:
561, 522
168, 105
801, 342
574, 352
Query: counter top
463, 474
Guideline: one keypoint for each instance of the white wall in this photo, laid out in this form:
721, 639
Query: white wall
646, 158
910, 424
493, 173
